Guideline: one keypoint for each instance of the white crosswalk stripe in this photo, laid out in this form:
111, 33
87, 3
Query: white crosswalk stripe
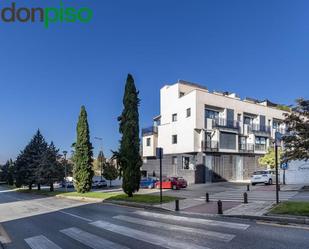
208, 222
165, 242
211, 234
91, 240
41, 242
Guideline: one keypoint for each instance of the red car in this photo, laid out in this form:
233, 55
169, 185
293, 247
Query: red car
172, 183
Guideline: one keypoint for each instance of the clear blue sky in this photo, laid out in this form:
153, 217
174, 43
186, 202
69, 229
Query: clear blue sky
255, 48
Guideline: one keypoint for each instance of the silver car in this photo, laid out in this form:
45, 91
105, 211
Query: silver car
263, 176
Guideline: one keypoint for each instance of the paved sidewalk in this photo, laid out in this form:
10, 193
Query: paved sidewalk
257, 208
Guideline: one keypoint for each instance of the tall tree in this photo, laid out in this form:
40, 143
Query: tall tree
83, 172
51, 169
128, 156
27, 167
296, 143
110, 172
99, 163
269, 158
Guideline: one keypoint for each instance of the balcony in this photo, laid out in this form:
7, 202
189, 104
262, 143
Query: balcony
224, 123
246, 148
260, 129
260, 147
149, 130
210, 145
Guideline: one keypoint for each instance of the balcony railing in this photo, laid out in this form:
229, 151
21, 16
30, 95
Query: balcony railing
150, 130
222, 122
260, 147
249, 148
260, 128
210, 145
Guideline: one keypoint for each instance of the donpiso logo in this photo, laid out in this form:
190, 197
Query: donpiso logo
47, 15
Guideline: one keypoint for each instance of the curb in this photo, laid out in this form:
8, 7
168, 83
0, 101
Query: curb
281, 219
77, 198
136, 205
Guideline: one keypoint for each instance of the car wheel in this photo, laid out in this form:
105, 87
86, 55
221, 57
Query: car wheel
253, 184
270, 182
174, 187
150, 186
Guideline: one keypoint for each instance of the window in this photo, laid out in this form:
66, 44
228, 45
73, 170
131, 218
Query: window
174, 160
174, 117
174, 139
186, 162
260, 143
276, 124
148, 141
188, 112
227, 141
248, 120
211, 114
181, 94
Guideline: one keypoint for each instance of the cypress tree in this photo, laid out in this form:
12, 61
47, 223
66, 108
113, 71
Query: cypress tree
129, 157
83, 172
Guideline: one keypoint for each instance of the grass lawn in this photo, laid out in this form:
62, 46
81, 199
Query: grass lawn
148, 199
292, 208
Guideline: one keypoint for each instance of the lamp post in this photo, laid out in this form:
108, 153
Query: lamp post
65, 169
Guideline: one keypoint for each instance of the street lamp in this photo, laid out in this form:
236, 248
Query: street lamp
65, 169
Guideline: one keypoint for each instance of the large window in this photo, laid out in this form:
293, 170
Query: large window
188, 112
186, 162
260, 143
211, 114
174, 117
248, 120
148, 141
227, 141
174, 139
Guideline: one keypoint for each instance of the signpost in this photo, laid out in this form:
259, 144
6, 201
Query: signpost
284, 166
278, 137
159, 154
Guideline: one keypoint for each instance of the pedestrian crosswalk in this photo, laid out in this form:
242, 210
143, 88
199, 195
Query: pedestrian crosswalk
237, 195
156, 229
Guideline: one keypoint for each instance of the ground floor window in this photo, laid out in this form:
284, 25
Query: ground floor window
174, 160
186, 162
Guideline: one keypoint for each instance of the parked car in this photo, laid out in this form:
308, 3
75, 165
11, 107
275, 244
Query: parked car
172, 183
148, 182
263, 176
69, 184
99, 183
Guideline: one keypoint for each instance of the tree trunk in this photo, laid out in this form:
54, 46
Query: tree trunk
130, 194
110, 183
39, 186
30, 186
51, 188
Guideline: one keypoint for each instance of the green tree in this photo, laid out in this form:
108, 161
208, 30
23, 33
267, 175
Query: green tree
10, 178
7, 172
269, 158
296, 143
128, 157
82, 172
27, 166
51, 169
98, 163
110, 172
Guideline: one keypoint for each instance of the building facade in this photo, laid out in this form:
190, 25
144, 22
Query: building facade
209, 136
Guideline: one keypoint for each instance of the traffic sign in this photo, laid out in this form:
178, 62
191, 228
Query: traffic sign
284, 166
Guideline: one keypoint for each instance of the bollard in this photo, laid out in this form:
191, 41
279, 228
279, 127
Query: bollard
248, 187
245, 198
220, 207
207, 197
176, 205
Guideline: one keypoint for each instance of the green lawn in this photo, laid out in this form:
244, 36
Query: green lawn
292, 208
114, 196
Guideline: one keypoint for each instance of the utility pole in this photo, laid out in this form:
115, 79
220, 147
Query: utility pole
277, 140
65, 169
159, 155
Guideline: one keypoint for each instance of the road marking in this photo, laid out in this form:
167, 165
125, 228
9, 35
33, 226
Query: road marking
282, 225
208, 222
91, 240
41, 242
146, 237
214, 235
75, 216
4, 237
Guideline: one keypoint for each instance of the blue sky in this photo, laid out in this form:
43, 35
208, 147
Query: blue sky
255, 48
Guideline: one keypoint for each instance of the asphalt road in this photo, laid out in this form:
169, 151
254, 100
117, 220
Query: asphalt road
53, 223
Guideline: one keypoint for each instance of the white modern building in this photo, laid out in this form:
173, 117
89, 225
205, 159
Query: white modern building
209, 136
